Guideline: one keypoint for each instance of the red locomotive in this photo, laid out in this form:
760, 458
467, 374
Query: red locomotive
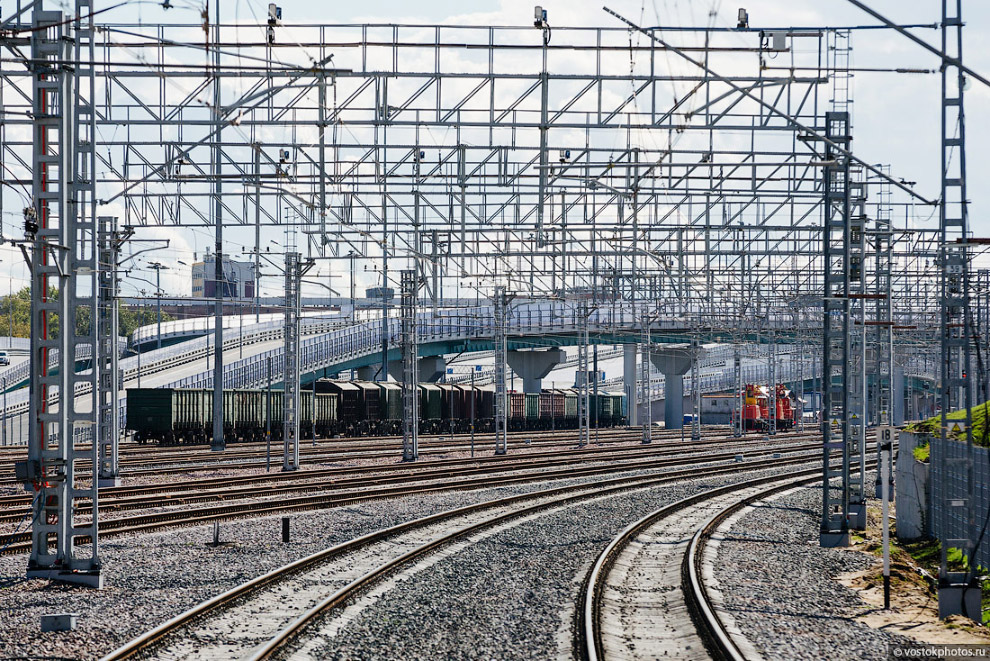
756, 409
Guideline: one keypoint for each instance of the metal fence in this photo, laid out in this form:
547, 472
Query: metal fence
958, 527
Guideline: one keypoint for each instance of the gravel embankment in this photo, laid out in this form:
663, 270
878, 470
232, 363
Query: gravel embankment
509, 595
153, 577
780, 586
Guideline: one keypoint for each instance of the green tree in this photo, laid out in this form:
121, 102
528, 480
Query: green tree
15, 314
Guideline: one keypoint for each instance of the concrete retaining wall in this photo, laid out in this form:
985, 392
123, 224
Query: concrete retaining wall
911, 493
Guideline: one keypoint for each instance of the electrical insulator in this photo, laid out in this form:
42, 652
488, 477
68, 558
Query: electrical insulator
743, 19
539, 17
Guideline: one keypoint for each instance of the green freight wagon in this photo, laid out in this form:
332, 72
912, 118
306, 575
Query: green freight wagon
533, 410
605, 409
326, 414
151, 414
570, 410
391, 408
619, 415
429, 409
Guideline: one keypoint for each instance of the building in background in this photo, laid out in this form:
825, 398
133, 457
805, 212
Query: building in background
239, 280
379, 292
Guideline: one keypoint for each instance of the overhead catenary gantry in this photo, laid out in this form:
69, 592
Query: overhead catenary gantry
619, 165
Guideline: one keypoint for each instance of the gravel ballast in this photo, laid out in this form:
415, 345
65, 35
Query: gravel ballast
510, 594
780, 585
151, 578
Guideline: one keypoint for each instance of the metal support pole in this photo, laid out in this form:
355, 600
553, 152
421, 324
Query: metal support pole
290, 379
772, 385
835, 346
257, 233
62, 226
799, 404
108, 398
218, 444
737, 429
268, 416
410, 368
646, 385
582, 380
884, 319
953, 483
501, 349
158, 266
857, 369
695, 391
474, 396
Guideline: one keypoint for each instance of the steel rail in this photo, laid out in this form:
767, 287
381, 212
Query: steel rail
592, 453
20, 542
710, 628
155, 635
346, 593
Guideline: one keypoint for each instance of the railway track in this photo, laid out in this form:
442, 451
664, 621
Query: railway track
340, 475
645, 597
281, 499
272, 614
150, 462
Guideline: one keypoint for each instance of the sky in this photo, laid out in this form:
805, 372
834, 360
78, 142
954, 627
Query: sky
896, 116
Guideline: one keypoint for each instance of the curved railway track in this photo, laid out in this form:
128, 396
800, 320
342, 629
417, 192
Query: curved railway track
645, 597
281, 499
259, 620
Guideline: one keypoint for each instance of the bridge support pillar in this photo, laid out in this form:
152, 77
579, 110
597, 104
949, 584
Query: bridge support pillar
674, 362
431, 368
629, 382
532, 366
368, 372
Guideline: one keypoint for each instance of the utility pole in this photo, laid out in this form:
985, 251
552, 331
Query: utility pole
772, 384
501, 349
583, 421
646, 385
954, 491
158, 266
410, 367
737, 372
108, 398
218, 443
60, 229
836, 379
695, 390
294, 271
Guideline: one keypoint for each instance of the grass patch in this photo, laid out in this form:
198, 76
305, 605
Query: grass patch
981, 432
926, 553
923, 452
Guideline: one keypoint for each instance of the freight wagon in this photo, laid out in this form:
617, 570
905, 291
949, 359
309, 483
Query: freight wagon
172, 416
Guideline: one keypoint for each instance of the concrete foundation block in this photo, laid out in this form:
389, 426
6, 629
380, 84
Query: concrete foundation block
857, 516
960, 600
833, 540
59, 622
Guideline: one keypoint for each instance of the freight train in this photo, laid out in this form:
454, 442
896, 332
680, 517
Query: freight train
756, 409
173, 416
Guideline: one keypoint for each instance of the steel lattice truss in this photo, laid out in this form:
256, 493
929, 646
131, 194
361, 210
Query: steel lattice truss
604, 163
